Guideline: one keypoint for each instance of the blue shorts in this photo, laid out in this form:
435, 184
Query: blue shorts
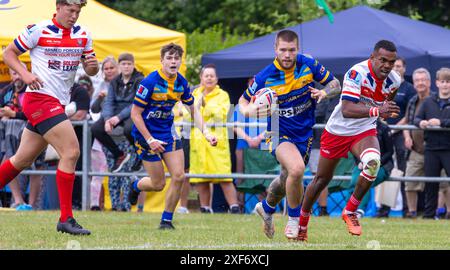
303, 147
146, 154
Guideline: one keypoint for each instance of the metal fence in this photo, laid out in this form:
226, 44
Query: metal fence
85, 173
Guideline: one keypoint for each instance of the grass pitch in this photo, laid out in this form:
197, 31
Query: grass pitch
113, 230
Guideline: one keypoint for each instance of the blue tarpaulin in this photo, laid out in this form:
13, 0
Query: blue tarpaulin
349, 40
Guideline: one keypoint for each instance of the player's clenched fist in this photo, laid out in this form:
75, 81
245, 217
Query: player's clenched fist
389, 109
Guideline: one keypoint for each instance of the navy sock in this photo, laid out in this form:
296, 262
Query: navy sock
167, 216
135, 186
441, 210
294, 212
267, 208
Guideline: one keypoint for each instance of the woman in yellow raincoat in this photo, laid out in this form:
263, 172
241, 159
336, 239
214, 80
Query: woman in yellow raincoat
214, 103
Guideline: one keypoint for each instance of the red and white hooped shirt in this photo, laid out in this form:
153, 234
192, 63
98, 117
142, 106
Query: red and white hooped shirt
361, 85
55, 54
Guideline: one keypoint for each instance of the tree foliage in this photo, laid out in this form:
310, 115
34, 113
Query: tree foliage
212, 25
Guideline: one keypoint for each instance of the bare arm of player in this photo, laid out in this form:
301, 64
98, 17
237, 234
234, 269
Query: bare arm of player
332, 89
11, 58
90, 65
199, 122
136, 116
351, 109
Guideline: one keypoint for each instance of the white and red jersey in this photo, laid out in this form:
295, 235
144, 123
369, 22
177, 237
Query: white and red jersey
361, 85
55, 54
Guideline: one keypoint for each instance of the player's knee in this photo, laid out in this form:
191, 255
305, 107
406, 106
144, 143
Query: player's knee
21, 163
320, 182
370, 162
296, 172
178, 177
159, 186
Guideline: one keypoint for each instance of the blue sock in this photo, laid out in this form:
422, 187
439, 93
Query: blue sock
267, 208
167, 216
135, 186
441, 210
294, 212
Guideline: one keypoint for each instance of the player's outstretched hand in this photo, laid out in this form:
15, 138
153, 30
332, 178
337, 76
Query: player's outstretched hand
211, 139
317, 94
389, 109
33, 81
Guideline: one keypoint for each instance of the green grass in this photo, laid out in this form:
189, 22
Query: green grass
112, 230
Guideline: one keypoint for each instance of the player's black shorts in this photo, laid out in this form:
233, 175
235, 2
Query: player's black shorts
44, 126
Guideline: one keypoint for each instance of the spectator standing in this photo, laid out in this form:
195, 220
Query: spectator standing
435, 112
204, 158
110, 70
414, 140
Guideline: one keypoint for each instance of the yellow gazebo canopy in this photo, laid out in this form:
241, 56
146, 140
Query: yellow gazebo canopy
113, 32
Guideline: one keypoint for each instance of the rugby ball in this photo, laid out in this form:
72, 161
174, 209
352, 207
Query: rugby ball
265, 97
71, 109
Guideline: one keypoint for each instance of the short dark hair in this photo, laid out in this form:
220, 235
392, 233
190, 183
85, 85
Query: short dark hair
212, 66
82, 3
385, 44
403, 60
286, 35
126, 57
172, 48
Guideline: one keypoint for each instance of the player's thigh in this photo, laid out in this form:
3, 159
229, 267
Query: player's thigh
175, 164
363, 144
290, 158
325, 168
31, 146
63, 138
155, 171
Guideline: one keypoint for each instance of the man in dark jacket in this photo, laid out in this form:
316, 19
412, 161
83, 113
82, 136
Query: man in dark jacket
117, 108
435, 112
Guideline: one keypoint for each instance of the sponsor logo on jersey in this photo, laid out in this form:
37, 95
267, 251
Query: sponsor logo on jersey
294, 111
322, 70
54, 64
142, 92
354, 76
252, 86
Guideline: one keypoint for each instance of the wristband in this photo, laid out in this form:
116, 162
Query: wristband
374, 112
151, 140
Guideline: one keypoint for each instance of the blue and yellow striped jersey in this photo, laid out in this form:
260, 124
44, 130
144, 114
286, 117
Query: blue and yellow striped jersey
296, 106
157, 94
